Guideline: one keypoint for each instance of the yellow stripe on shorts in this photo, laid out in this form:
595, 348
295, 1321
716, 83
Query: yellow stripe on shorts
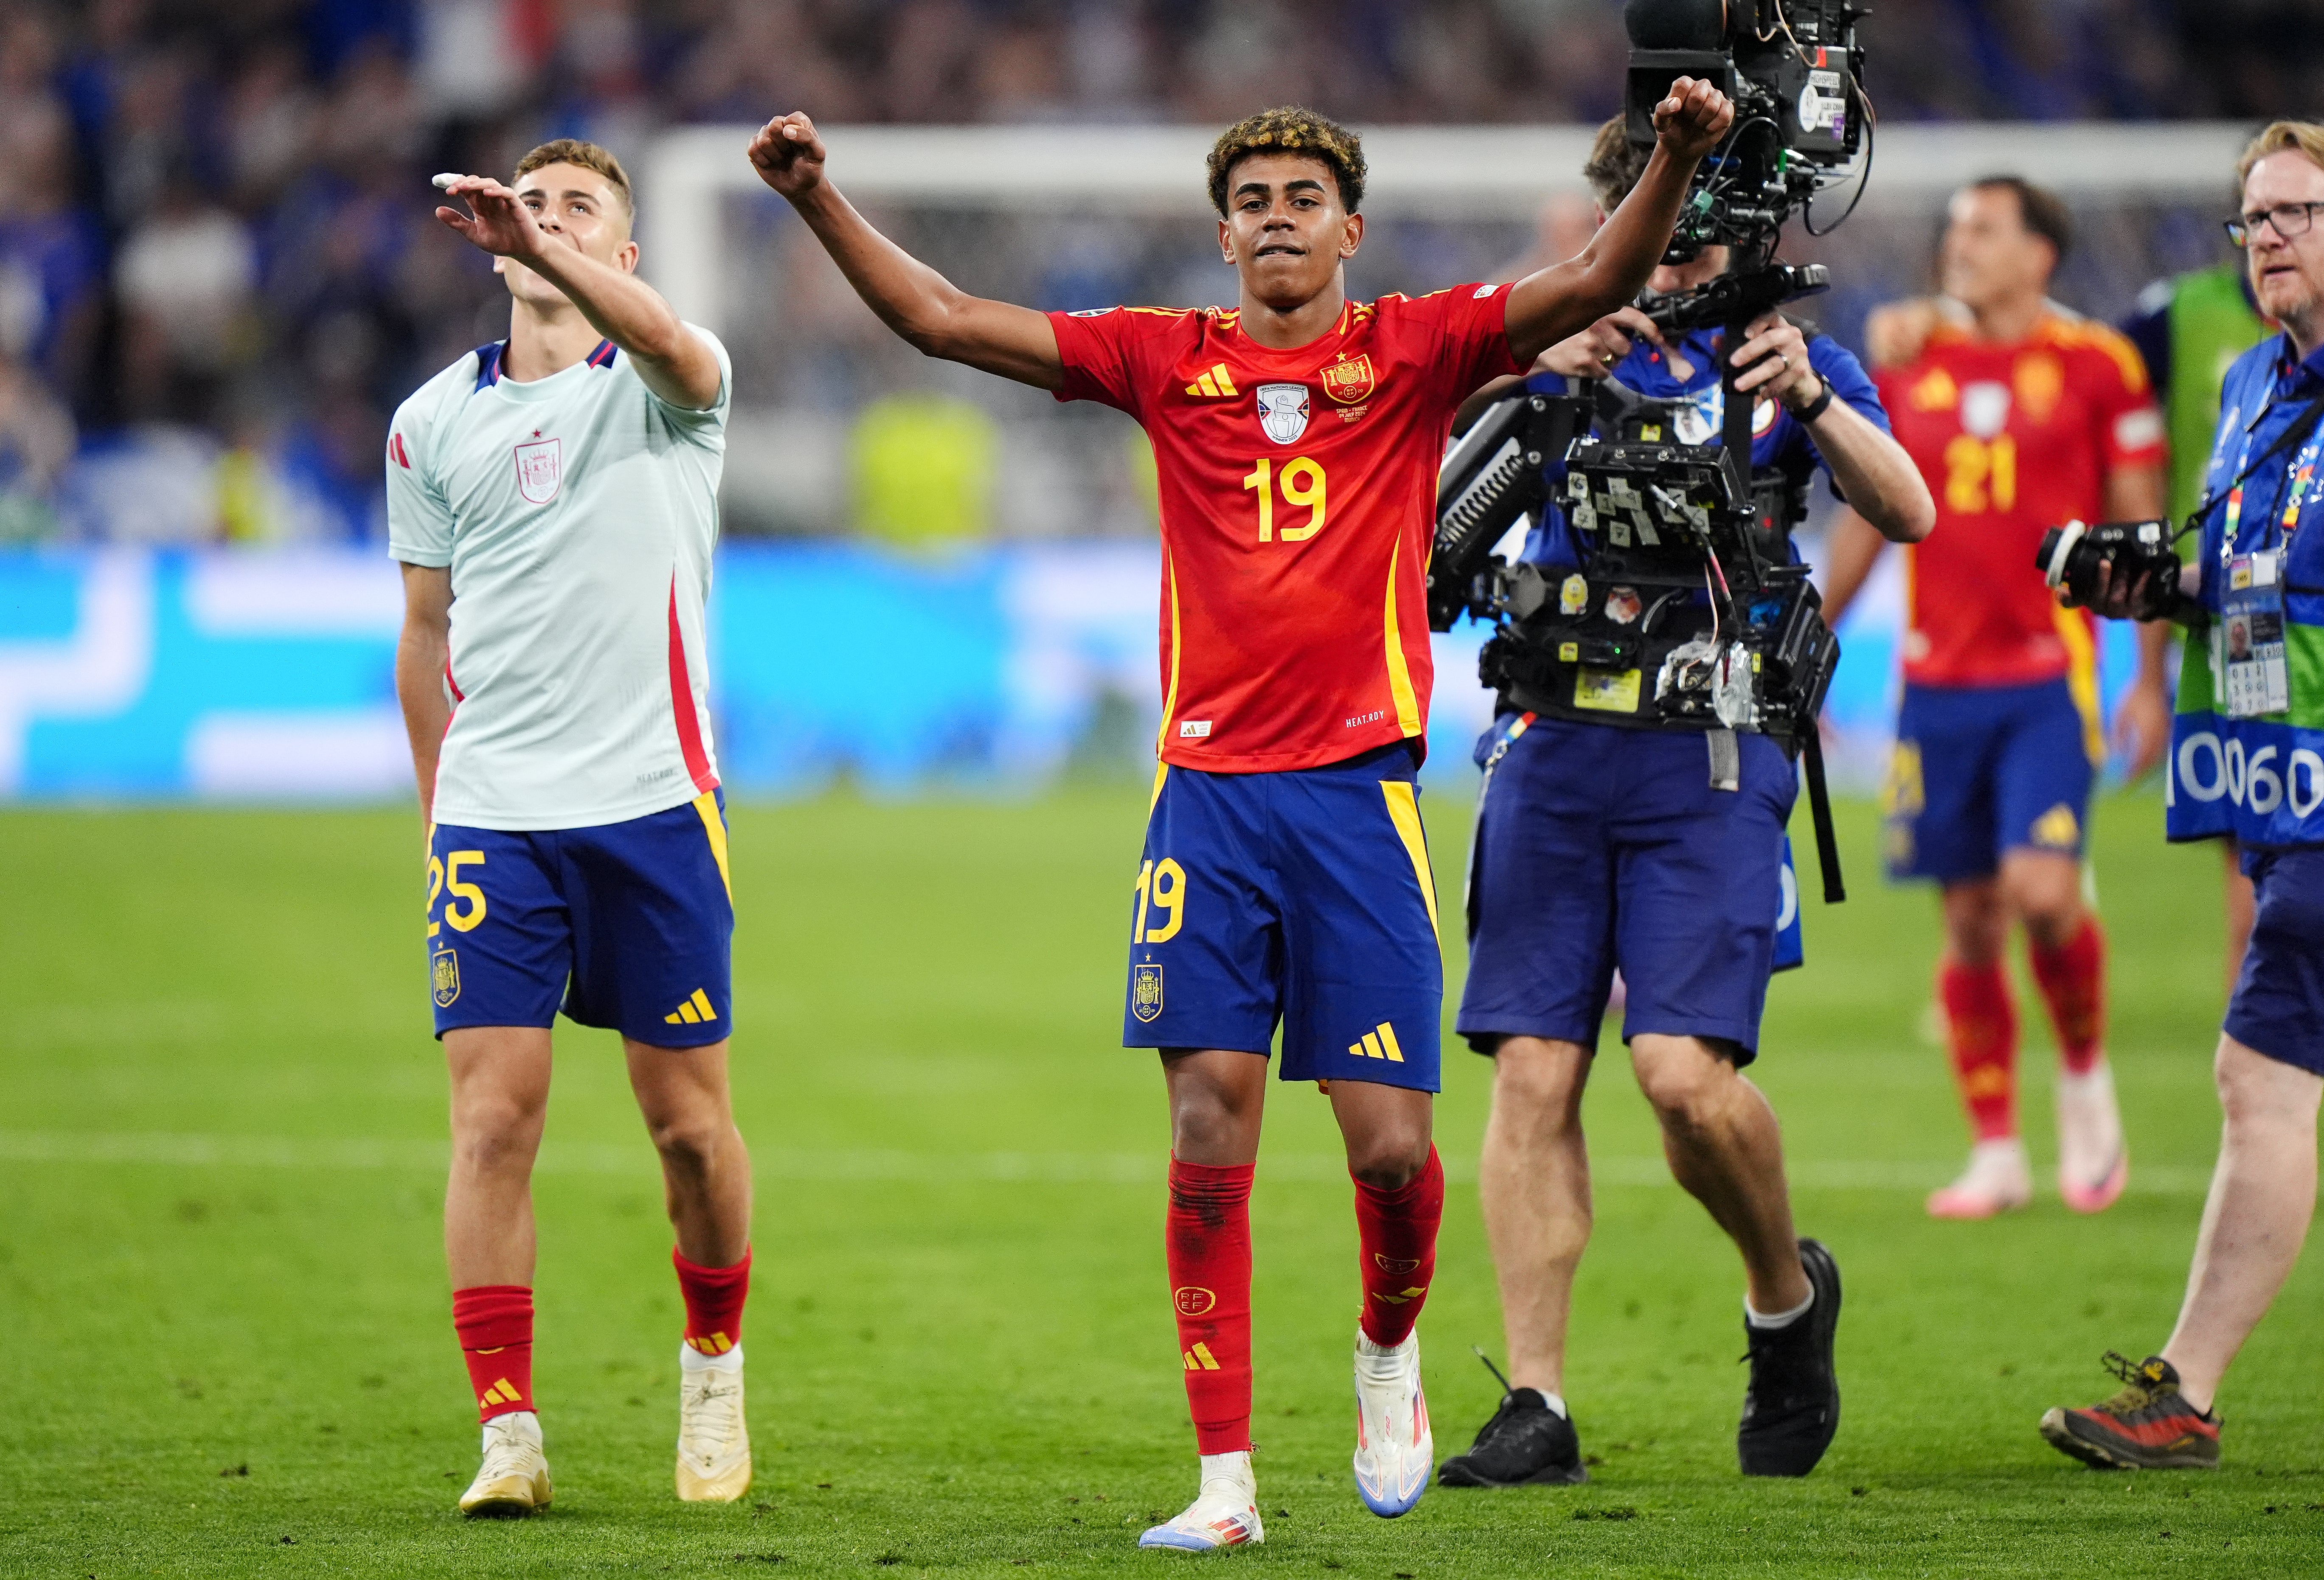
706, 806
1403, 812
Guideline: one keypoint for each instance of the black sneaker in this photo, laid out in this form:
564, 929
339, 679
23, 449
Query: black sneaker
1527, 1444
2148, 1426
1791, 1408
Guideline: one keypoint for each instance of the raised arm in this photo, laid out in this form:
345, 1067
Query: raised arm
1850, 553
676, 364
1552, 303
934, 315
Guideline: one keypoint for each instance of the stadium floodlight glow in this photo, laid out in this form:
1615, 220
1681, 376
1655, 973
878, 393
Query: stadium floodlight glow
1448, 171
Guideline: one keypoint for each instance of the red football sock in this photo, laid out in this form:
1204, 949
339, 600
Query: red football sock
1208, 1236
713, 1300
1397, 1229
1981, 1027
2074, 980
494, 1322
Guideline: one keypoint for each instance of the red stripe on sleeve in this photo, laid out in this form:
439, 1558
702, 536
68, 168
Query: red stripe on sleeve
681, 703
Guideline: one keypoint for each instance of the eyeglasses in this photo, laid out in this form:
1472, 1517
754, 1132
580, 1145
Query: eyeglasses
2289, 219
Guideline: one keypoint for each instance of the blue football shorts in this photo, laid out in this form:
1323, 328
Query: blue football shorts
1302, 896
628, 926
1980, 771
1597, 848
2277, 1007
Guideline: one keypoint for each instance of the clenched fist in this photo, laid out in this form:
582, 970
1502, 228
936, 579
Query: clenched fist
788, 156
1693, 119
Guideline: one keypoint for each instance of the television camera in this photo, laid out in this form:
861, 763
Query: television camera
1689, 610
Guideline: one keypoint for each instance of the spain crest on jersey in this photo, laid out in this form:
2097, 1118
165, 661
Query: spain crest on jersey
444, 976
1282, 411
1350, 382
1145, 991
539, 469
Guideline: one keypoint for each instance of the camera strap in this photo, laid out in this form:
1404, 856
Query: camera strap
1819, 808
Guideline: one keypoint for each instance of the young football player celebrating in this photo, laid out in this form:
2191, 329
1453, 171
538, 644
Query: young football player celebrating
1284, 877
2021, 417
553, 498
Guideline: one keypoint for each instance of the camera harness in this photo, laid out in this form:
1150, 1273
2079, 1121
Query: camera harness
1688, 611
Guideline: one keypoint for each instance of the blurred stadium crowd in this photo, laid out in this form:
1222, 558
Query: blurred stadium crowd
218, 270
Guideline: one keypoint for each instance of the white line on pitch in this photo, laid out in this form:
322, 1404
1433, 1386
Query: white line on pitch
178, 1151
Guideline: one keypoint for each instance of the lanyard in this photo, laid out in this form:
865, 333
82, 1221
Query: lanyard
2303, 470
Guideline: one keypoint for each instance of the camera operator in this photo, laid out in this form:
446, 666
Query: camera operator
1601, 844
2248, 761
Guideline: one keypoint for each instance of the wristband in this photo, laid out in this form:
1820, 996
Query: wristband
1817, 407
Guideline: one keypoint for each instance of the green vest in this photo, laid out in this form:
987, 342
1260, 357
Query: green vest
2210, 325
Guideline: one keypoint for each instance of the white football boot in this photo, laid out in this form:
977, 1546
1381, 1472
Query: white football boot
2093, 1162
514, 1477
1396, 1453
714, 1440
1223, 1514
1997, 1180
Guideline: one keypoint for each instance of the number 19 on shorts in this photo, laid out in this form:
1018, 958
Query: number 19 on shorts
1161, 888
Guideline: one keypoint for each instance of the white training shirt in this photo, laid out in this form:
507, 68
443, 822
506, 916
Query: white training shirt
577, 513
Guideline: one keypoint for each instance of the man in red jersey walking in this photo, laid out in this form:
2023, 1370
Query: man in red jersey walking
2020, 418
1285, 877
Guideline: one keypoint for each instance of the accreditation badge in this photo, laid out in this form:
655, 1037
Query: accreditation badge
2248, 654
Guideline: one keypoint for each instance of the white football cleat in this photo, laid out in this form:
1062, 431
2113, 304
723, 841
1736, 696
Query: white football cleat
2093, 1162
714, 1440
1396, 1453
1997, 1180
1223, 1514
513, 1479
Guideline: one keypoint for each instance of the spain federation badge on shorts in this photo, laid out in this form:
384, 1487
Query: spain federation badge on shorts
444, 976
1145, 991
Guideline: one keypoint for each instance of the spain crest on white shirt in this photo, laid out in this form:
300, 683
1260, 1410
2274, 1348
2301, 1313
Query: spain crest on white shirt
539, 469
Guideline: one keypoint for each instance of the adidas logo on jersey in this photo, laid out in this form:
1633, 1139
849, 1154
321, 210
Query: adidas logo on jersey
1217, 383
694, 1012
1377, 1043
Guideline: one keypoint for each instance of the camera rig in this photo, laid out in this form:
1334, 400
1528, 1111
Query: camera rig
1688, 611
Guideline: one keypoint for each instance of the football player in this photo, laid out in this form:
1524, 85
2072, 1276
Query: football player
2021, 417
553, 498
1285, 879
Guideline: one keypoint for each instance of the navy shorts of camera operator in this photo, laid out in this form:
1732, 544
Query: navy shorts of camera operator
1600, 846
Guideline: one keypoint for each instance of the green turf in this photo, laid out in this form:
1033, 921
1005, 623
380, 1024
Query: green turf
226, 1335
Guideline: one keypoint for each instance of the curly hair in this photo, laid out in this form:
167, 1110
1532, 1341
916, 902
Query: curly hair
1614, 166
589, 156
1290, 129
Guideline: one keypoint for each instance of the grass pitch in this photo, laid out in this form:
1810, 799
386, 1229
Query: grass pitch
226, 1333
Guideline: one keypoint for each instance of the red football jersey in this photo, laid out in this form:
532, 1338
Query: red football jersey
2013, 440
1298, 494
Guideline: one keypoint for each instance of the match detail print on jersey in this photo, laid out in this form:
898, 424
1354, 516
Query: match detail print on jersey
1297, 495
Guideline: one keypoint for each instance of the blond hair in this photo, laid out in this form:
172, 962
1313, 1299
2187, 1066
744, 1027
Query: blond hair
2305, 138
1290, 129
589, 156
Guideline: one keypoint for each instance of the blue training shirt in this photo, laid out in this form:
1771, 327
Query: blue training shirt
1778, 438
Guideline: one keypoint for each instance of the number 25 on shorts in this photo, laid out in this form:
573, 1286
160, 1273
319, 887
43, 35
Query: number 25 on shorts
1161, 886
444, 876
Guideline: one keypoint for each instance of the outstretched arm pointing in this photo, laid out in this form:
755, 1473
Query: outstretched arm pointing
932, 313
